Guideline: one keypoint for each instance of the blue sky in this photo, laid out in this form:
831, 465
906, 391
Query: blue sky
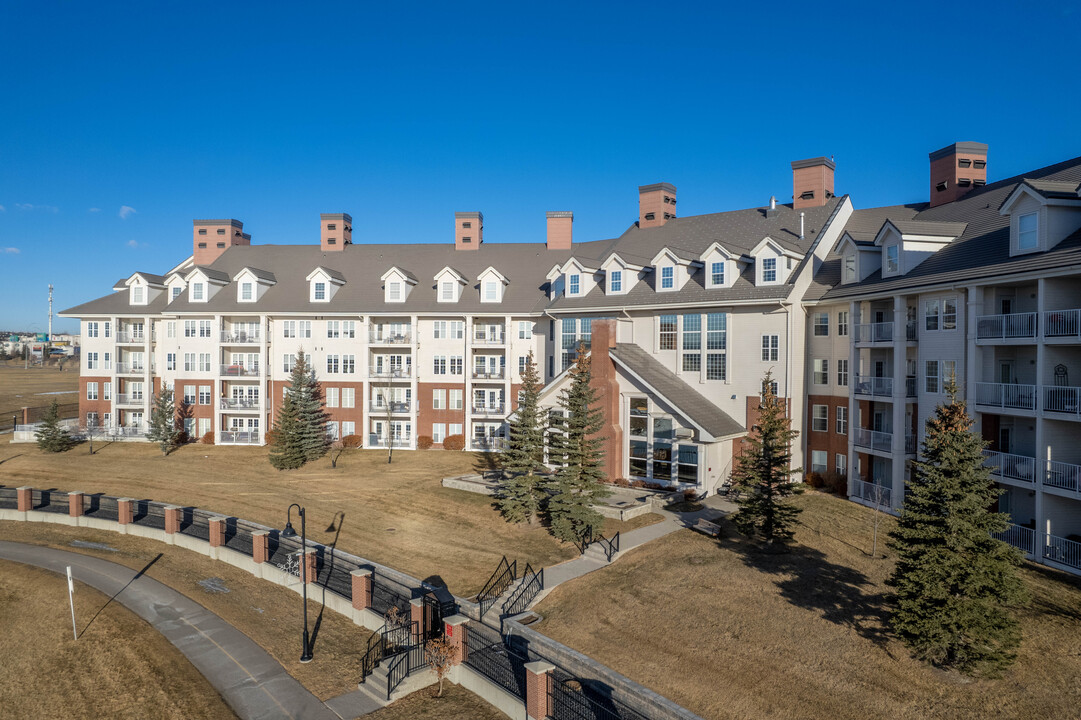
122, 122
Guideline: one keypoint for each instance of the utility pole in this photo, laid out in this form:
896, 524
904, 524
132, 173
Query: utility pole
48, 338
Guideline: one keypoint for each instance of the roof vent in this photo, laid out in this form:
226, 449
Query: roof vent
771, 211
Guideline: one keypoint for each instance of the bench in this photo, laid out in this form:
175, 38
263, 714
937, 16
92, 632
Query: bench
707, 528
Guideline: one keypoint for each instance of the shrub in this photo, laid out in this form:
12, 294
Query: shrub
183, 438
423, 442
655, 486
621, 482
208, 437
454, 442
814, 479
638, 483
690, 495
270, 437
352, 442
836, 483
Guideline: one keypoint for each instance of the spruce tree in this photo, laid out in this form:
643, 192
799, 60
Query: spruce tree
953, 582
763, 472
50, 435
576, 485
300, 430
522, 494
163, 429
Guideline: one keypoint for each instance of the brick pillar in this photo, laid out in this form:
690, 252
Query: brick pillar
123, 511
75, 504
309, 563
537, 677
456, 630
260, 546
26, 416
416, 612
24, 496
217, 532
362, 589
604, 382
172, 519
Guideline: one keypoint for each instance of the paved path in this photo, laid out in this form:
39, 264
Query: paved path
253, 683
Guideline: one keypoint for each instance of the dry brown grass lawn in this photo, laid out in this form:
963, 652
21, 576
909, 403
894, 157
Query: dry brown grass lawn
395, 514
731, 633
456, 704
22, 388
120, 667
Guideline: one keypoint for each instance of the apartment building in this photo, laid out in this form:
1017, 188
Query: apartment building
981, 284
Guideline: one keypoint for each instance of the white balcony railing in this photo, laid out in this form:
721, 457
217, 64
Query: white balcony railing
398, 441
1058, 399
876, 386
910, 444
1002, 395
1004, 327
1019, 536
910, 387
129, 399
484, 339
239, 437
130, 337
1064, 476
1062, 323
872, 493
874, 332
395, 371
239, 403
129, 430
881, 441
239, 371
488, 409
123, 368
488, 374
1011, 467
240, 337
1061, 550
389, 336
488, 443
393, 407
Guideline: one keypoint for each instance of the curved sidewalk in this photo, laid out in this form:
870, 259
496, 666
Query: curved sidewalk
253, 683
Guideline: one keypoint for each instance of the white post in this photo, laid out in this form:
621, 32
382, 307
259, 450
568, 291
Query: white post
71, 601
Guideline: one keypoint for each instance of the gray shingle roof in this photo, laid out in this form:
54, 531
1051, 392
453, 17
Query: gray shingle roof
213, 273
919, 227
662, 381
1054, 188
261, 274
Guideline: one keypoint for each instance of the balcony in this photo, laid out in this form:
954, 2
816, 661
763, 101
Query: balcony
398, 441
129, 399
133, 368
1006, 327
874, 386
1062, 324
1006, 396
910, 387
129, 431
489, 374
874, 332
1063, 476
393, 407
911, 332
910, 444
238, 371
239, 437
480, 338
487, 444
873, 439
1062, 400
380, 336
872, 493
239, 403
1061, 550
488, 409
395, 372
1018, 536
130, 338
1011, 467
240, 338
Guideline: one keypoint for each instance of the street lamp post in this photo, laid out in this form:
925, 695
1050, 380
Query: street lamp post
289, 532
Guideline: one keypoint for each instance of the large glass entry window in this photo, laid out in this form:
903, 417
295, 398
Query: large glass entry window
654, 450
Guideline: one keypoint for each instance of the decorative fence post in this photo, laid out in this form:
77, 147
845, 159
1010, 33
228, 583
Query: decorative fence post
260, 546
24, 496
416, 612
456, 631
75, 504
309, 561
362, 591
538, 675
123, 511
172, 523
217, 532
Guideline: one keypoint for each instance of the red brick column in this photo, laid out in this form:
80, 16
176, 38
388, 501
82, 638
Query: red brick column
309, 562
260, 546
172, 519
416, 612
537, 677
456, 630
24, 496
75, 504
606, 385
123, 510
362, 589
217, 532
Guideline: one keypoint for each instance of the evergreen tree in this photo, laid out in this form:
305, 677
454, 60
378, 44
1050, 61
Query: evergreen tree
300, 430
577, 483
522, 493
953, 582
163, 429
763, 472
51, 436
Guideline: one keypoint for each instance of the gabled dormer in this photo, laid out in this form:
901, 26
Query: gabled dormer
204, 283
772, 262
144, 288
492, 284
580, 280
721, 266
174, 286
323, 283
859, 258
449, 284
251, 283
556, 282
1042, 214
397, 284
904, 244
619, 275
672, 268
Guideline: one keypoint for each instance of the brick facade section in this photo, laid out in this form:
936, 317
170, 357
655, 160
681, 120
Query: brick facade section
426, 414
195, 411
310, 563
606, 386
537, 699
946, 169
362, 589
75, 504
172, 520
651, 200
205, 247
560, 226
260, 546
817, 178
124, 511
99, 406
456, 631
24, 498
829, 441
217, 532
341, 414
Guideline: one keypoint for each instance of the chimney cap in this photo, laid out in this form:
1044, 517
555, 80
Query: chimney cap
814, 162
967, 147
227, 221
336, 216
560, 214
471, 214
657, 186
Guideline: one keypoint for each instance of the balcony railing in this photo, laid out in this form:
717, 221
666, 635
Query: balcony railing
876, 386
393, 407
488, 409
1011, 467
1062, 550
874, 332
239, 403
133, 368
484, 339
399, 441
129, 430
1019, 536
881, 441
1011, 396
129, 399
488, 374
240, 337
240, 437
873, 493
390, 337
397, 371
239, 371
492, 443
1062, 323
1063, 475
911, 330
1058, 399
910, 444
1004, 327
130, 337
910, 387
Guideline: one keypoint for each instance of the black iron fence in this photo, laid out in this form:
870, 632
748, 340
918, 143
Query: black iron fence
572, 699
532, 583
49, 501
9, 499
407, 660
505, 573
387, 594
500, 662
100, 506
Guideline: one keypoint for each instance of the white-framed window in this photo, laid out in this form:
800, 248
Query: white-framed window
204, 328
319, 292
850, 268
820, 418
668, 277
349, 427
439, 329
456, 403
204, 362
446, 291
439, 365
770, 348
456, 364
525, 329
842, 372
949, 313
247, 292
439, 399
91, 419
769, 270
523, 360
304, 329
615, 281
191, 328
1028, 231
892, 255
189, 362
930, 315
170, 361
349, 398
349, 364
108, 362
439, 432
457, 329
818, 461
332, 364
842, 323
137, 295
840, 461
454, 429
821, 373
189, 395
394, 291
821, 324
349, 329
170, 329
949, 372
931, 376
107, 390
91, 329
333, 329
692, 343
332, 397
490, 291
289, 360
716, 273
91, 391
842, 419
667, 326
289, 329
204, 394
574, 284
107, 325
197, 292
176, 292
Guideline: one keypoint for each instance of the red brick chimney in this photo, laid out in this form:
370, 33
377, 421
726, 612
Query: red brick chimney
468, 230
656, 204
956, 169
606, 386
559, 229
812, 182
213, 237
335, 231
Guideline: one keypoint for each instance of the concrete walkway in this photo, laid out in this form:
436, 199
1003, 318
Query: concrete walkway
253, 683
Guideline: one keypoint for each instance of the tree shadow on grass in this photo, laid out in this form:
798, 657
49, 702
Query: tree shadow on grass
807, 579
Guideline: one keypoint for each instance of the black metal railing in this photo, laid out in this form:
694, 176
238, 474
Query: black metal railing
49, 501
491, 657
406, 663
238, 536
148, 514
384, 596
100, 507
8, 498
610, 546
573, 699
372, 654
532, 583
505, 573
194, 523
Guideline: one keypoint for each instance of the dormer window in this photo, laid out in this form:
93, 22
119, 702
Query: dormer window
668, 277
892, 264
137, 295
176, 292
246, 292
574, 284
615, 283
394, 291
1027, 231
490, 291
446, 290
850, 268
769, 270
198, 292
320, 291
